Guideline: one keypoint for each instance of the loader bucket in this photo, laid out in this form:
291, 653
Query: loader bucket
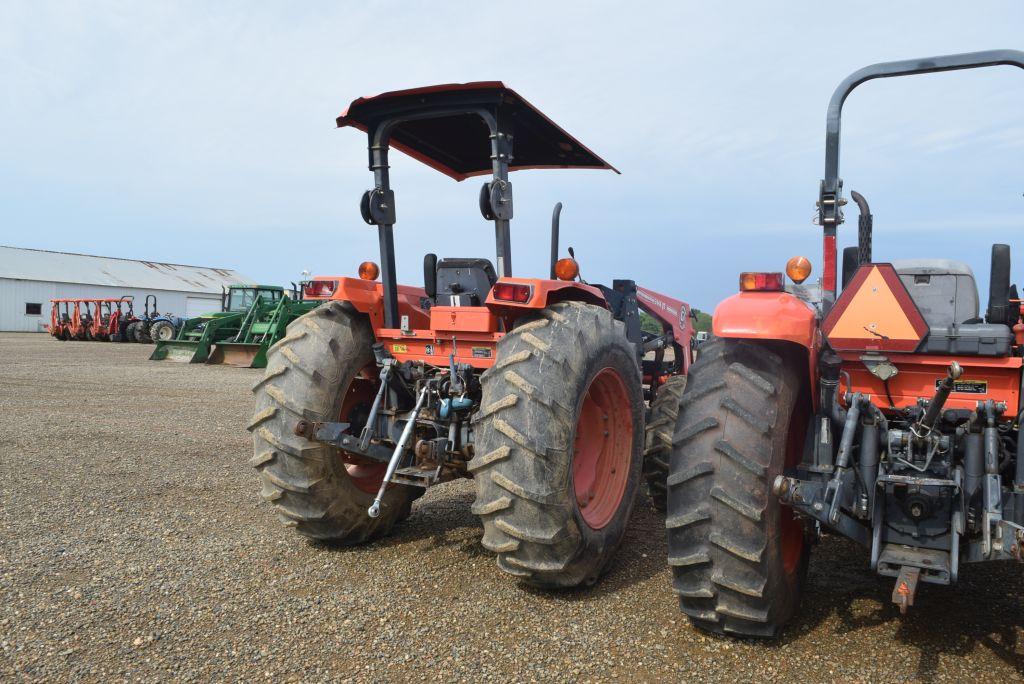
197, 337
262, 326
182, 351
240, 354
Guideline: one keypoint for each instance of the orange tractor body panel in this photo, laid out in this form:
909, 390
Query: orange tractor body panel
984, 378
472, 332
768, 316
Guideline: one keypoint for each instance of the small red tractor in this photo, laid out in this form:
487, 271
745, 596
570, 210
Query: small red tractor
78, 321
536, 388
60, 319
105, 322
889, 415
101, 319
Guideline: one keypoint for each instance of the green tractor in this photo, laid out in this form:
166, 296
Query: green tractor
198, 335
264, 324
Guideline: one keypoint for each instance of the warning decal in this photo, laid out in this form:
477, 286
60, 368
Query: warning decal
875, 312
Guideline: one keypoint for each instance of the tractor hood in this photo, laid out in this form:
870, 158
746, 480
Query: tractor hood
429, 126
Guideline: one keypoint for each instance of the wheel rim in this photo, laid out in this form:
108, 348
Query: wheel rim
365, 476
791, 530
602, 449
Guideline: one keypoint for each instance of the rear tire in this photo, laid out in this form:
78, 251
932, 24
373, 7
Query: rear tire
310, 372
142, 333
738, 557
559, 446
161, 331
661, 423
130, 332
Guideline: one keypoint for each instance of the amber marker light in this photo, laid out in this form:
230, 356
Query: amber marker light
798, 268
566, 269
761, 282
369, 270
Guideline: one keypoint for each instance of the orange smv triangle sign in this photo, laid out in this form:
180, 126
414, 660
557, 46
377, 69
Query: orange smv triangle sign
875, 312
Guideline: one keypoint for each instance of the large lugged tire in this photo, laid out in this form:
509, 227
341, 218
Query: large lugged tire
316, 372
161, 331
738, 557
661, 423
559, 446
142, 333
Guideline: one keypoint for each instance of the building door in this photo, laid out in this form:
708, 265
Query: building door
196, 306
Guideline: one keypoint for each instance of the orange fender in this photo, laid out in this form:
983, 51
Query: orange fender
544, 292
766, 316
771, 316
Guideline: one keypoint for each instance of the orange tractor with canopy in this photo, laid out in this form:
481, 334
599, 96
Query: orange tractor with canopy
536, 388
61, 312
99, 319
883, 406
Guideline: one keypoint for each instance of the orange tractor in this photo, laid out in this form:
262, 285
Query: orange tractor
100, 319
537, 388
105, 323
60, 318
889, 415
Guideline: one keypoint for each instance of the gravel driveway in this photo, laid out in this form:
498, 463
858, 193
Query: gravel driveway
134, 546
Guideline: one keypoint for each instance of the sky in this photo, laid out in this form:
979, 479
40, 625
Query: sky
203, 133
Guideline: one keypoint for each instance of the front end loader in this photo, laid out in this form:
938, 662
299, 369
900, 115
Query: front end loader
263, 325
197, 336
886, 411
536, 388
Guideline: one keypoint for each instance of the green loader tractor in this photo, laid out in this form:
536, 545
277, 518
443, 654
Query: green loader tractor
264, 324
197, 336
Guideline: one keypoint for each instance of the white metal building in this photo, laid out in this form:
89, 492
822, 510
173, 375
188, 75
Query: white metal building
30, 278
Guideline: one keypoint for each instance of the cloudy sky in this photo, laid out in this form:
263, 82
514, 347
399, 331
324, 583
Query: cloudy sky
203, 133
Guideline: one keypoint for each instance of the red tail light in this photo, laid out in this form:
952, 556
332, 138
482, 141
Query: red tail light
319, 289
761, 282
511, 292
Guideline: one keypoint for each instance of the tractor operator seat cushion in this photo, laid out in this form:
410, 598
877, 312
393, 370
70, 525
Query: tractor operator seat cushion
946, 294
464, 282
943, 290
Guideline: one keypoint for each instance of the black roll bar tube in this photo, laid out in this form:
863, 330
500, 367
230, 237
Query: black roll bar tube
830, 195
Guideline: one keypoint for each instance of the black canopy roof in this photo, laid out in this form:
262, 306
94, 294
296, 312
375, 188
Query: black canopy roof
457, 143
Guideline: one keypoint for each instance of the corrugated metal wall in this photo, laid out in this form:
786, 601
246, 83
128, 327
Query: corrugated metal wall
14, 294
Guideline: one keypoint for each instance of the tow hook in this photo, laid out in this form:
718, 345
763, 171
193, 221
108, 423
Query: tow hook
906, 587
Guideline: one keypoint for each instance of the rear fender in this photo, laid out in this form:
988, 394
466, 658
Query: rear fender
771, 317
367, 296
544, 293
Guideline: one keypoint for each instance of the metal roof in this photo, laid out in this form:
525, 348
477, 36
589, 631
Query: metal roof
66, 267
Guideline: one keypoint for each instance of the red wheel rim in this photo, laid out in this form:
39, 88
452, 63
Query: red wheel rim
791, 530
602, 449
365, 476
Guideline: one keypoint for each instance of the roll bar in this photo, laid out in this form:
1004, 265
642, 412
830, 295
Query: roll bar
831, 190
378, 205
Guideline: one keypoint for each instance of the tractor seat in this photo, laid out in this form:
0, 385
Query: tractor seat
460, 282
944, 290
946, 294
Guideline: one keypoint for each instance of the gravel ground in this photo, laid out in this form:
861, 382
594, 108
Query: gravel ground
135, 547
